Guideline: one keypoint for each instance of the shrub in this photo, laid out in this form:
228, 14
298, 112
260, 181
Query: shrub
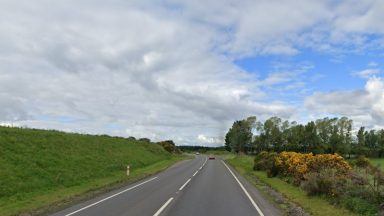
362, 162
359, 205
326, 181
266, 161
298, 165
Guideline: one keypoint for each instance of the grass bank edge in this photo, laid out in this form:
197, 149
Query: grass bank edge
56, 200
316, 206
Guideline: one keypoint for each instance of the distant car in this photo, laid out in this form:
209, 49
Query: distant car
197, 153
211, 157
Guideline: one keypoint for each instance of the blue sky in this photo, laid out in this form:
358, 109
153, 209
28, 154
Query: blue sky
185, 70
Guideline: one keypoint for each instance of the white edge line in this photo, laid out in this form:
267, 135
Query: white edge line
181, 188
163, 207
195, 173
245, 191
93, 204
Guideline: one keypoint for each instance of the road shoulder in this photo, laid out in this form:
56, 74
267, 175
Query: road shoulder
264, 201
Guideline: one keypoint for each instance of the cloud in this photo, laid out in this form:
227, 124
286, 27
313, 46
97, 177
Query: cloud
365, 106
162, 69
367, 73
211, 140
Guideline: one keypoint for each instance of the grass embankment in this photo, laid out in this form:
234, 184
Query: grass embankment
40, 169
316, 206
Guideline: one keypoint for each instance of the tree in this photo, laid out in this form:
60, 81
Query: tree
311, 139
239, 136
360, 142
380, 142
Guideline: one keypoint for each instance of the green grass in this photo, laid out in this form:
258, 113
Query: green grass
378, 161
39, 168
314, 205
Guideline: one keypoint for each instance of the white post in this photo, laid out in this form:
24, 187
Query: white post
128, 170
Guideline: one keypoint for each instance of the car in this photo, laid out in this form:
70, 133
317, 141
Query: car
197, 153
211, 157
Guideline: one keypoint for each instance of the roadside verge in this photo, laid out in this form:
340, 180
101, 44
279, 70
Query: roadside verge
53, 201
291, 199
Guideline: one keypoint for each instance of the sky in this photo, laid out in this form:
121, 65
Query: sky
185, 70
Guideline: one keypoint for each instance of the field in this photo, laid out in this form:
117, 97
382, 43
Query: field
40, 168
316, 206
378, 161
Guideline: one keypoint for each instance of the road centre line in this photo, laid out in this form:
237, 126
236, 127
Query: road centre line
195, 173
245, 191
163, 207
116, 194
181, 188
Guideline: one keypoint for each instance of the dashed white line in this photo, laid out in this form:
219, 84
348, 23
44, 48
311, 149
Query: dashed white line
245, 191
93, 204
181, 188
163, 207
195, 173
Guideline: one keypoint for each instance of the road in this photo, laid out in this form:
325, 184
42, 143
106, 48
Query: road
193, 187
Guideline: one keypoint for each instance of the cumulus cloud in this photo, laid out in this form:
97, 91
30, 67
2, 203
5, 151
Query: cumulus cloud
159, 69
365, 106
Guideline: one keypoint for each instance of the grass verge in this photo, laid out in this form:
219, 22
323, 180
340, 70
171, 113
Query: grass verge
316, 206
42, 170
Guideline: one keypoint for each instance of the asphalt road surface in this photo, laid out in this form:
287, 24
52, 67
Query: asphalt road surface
194, 187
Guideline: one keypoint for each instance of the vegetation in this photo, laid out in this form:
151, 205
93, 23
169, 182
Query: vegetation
360, 189
170, 146
310, 157
315, 205
327, 135
39, 167
202, 149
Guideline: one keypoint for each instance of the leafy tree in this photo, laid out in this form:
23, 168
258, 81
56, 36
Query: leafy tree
360, 141
239, 136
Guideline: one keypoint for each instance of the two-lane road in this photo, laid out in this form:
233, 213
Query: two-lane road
193, 187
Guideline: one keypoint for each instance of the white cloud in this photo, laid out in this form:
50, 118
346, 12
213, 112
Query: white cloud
367, 73
203, 139
365, 106
160, 69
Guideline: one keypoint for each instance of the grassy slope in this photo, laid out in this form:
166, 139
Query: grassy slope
313, 205
38, 167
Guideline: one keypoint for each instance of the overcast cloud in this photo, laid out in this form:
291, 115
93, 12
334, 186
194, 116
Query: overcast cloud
165, 69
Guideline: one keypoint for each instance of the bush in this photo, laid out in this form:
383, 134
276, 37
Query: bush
298, 165
266, 161
359, 205
326, 181
362, 162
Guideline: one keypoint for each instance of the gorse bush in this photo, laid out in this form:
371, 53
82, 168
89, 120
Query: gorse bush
298, 165
360, 190
362, 162
266, 161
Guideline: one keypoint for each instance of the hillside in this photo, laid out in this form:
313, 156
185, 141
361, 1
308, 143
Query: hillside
40, 167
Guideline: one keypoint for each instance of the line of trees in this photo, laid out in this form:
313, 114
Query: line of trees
327, 135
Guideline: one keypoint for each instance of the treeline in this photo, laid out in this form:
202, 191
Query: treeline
201, 149
327, 135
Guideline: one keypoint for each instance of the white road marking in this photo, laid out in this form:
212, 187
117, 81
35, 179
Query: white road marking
245, 191
181, 188
163, 207
195, 173
93, 204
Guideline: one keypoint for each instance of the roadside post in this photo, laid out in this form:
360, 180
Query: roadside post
127, 170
